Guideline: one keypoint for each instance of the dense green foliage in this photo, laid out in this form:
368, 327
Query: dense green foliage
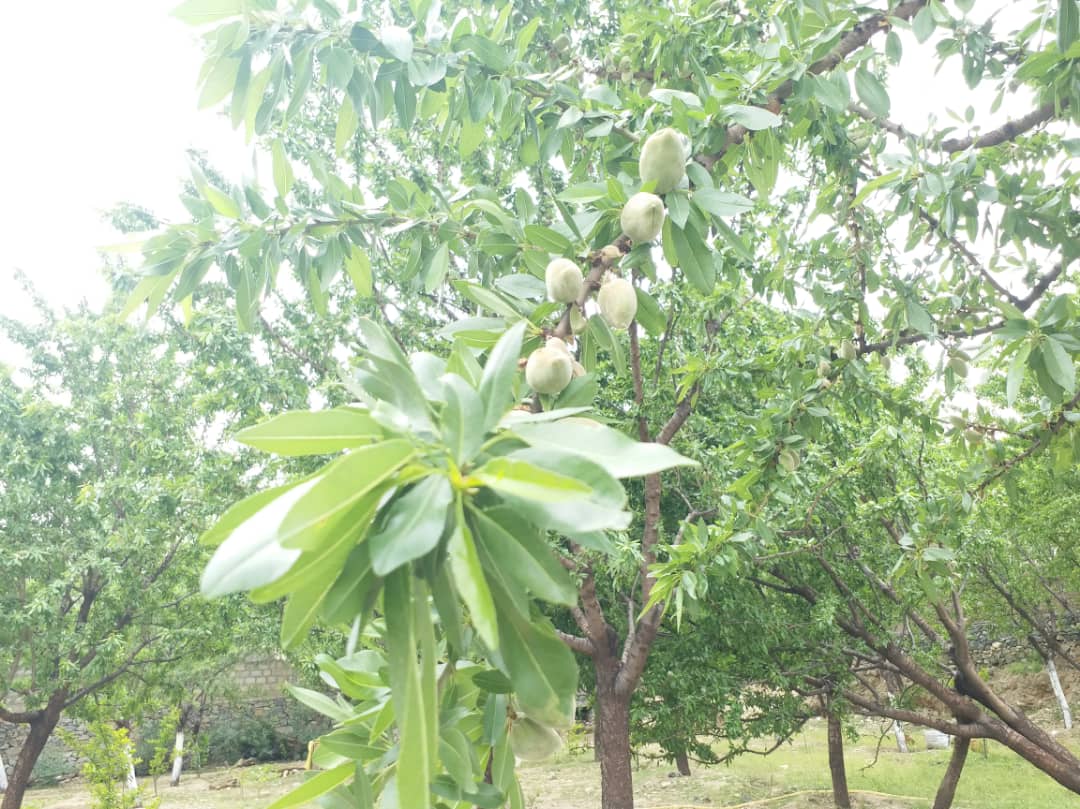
431, 159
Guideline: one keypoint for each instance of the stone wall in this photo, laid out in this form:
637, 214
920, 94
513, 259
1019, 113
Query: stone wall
257, 697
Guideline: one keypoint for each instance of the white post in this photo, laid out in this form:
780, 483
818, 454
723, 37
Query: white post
3, 776
178, 759
1055, 683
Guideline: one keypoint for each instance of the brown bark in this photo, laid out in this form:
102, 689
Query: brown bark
841, 798
613, 744
947, 790
41, 728
682, 761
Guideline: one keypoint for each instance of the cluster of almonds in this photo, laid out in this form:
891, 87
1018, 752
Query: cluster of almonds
550, 368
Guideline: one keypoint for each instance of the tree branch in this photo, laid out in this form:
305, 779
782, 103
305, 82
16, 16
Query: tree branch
854, 39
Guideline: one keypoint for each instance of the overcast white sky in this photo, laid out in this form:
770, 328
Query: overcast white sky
99, 105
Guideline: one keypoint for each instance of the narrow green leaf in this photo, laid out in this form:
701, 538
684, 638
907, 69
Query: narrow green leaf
1068, 24
283, 173
470, 581
521, 479
306, 432
496, 383
620, 455
316, 786
344, 483
521, 552
1015, 377
320, 703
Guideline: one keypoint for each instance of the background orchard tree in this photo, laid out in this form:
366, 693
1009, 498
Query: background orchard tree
471, 145
112, 459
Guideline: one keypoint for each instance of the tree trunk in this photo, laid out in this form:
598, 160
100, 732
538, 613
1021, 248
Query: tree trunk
682, 762
901, 740
178, 759
613, 744
841, 798
1055, 683
40, 731
3, 776
947, 790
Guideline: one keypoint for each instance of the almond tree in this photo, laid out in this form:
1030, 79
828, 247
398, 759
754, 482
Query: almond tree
449, 159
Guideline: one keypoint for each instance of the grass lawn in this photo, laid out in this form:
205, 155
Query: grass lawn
996, 780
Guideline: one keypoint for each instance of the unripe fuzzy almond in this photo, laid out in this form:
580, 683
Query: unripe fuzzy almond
532, 741
886, 362
618, 302
549, 370
973, 436
824, 367
642, 217
611, 254
847, 350
558, 344
565, 282
578, 323
789, 459
663, 160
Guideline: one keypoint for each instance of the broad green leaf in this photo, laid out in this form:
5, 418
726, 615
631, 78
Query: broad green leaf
490, 54
1059, 364
620, 455
752, 118
649, 314
521, 552
203, 12
397, 41
871, 92
487, 298
701, 276
721, 203
221, 202
917, 316
358, 265
437, 268
306, 432
548, 239
923, 24
496, 383
316, 786
520, 478
412, 524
